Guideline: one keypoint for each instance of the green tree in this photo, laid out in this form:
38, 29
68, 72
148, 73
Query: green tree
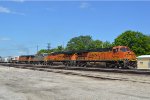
79, 43
136, 41
44, 51
107, 44
58, 49
95, 44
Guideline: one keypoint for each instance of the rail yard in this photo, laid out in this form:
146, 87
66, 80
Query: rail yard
107, 73
79, 50
22, 83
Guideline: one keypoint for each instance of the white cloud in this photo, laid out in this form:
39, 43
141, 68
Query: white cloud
8, 11
4, 10
84, 5
5, 39
21, 52
18, 13
18, 0
22, 49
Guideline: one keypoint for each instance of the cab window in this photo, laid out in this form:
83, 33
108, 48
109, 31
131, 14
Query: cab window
123, 49
115, 50
128, 49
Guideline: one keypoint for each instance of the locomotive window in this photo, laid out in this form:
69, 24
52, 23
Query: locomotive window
124, 49
128, 49
115, 50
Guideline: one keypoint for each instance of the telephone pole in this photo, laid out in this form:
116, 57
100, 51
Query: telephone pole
37, 48
48, 46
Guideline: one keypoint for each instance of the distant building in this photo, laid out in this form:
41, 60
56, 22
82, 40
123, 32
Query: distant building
143, 62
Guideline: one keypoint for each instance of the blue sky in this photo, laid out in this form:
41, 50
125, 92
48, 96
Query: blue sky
26, 24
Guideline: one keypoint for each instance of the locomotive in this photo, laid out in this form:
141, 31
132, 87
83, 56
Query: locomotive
115, 57
118, 56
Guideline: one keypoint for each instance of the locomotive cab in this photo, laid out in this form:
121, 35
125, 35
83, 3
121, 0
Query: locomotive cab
124, 55
123, 52
121, 49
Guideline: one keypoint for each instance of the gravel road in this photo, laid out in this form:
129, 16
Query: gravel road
24, 84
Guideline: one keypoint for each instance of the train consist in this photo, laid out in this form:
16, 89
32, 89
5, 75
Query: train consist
116, 57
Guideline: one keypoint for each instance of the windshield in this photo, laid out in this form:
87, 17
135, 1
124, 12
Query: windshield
124, 49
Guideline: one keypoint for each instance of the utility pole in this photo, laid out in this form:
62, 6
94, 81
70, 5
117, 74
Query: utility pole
48, 46
63, 45
37, 48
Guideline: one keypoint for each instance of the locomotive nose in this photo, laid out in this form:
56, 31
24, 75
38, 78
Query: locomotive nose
129, 52
131, 55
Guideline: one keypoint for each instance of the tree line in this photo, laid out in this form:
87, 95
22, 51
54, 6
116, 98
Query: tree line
136, 41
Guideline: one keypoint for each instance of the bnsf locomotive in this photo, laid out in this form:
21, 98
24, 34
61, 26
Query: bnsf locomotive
116, 57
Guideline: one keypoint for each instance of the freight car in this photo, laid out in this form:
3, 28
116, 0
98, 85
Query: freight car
118, 56
6, 59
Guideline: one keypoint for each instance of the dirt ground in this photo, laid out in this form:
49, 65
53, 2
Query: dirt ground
23, 84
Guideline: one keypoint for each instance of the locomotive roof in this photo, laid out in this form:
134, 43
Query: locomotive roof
83, 51
27, 55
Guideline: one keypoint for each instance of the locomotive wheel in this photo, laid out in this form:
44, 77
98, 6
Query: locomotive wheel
79, 64
68, 63
65, 63
110, 65
126, 64
84, 64
51, 63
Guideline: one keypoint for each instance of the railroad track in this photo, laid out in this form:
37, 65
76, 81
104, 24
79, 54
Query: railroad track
113, 70
86, 72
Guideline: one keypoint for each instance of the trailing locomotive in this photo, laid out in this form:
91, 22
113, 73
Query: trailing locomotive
116, 57
32, 59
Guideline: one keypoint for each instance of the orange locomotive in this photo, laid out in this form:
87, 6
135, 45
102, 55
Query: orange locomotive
57, 57
119, 56
25, 59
